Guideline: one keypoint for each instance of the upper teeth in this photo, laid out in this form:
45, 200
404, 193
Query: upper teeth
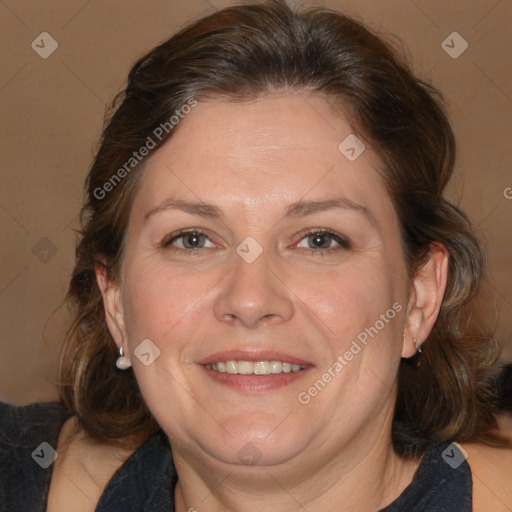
257, 368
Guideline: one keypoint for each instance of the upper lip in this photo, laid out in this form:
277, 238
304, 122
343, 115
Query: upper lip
252, 355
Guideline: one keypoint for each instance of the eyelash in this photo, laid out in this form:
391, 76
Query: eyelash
167, 243
344, 244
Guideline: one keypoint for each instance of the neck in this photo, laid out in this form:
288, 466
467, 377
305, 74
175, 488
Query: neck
365, 475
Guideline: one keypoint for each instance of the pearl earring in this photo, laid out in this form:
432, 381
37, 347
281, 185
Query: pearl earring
123, 362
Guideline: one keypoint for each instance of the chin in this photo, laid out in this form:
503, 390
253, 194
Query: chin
256, 441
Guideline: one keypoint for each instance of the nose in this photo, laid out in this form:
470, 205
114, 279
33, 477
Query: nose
253, 295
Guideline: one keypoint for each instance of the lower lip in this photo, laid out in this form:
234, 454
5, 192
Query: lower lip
255, 383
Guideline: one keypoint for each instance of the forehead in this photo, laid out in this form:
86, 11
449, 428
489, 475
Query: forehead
264, 154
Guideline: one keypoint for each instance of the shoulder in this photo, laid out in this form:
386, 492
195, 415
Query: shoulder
82, 469
108, 475
491, 475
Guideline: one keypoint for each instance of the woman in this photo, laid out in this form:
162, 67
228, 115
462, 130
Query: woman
270, 284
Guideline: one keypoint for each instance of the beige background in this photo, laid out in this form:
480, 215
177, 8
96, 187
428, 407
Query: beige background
52, 114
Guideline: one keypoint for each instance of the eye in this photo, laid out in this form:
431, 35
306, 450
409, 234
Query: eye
322, 240
188, 240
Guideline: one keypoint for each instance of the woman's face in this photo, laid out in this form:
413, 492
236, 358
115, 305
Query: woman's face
260, 280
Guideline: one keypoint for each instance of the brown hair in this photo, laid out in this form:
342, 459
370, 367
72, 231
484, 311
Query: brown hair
240, 53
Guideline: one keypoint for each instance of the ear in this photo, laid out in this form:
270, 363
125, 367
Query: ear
427, 292
113, 304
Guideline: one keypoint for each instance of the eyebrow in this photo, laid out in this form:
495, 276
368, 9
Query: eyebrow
304, 208
300, 208
200, 209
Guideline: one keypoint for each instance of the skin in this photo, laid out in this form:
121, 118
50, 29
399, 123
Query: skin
81, 471
252, 160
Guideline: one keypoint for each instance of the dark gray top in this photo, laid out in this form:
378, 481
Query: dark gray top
146, 481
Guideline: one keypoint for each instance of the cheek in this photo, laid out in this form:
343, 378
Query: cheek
351, 298
158, 298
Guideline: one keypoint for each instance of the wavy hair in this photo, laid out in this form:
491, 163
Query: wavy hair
241, 53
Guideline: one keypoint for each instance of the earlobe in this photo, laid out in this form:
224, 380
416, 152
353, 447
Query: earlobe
113, 304
427, 292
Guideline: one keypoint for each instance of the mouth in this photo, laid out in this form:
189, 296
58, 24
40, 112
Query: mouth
254, 368
254, 371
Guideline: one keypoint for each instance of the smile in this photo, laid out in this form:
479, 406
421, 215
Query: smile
254, 368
